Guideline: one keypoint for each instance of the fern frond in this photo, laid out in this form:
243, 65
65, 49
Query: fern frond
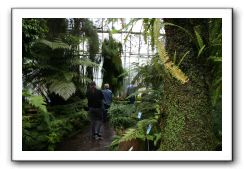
199, 39
69, 75
131, 25
131, 134
185, 30
174, 57
58, 44
63, 89
84, 62
201, 50
142, 125
215, 58
38, 102
169, 65
183, 57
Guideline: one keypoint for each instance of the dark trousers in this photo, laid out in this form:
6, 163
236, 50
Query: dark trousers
132, 99
105, 112
96, 119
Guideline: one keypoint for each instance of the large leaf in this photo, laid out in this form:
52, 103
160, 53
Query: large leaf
63, 89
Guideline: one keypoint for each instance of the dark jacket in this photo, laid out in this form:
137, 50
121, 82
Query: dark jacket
95, 98
107, 96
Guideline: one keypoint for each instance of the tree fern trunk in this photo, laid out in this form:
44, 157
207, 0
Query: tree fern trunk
188, 123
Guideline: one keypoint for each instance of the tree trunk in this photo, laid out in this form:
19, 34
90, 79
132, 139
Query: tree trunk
187, 107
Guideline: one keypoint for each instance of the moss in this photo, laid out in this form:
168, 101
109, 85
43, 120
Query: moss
188, 121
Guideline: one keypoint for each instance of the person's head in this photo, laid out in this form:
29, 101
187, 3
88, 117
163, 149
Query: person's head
106, 86
93, 84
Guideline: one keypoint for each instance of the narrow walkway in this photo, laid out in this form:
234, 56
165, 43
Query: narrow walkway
83, 141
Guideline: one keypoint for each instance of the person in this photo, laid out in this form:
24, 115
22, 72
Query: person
95, 98
130, 90
107, 94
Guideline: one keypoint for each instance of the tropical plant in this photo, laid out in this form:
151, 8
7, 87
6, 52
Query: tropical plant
51, 81
112, 64
43, 129
55, 63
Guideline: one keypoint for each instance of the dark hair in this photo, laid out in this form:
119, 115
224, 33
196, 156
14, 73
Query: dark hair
93, 83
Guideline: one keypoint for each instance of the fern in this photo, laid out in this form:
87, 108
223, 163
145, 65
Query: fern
38, 102
139, 132
183, 57
131, 134
63, 89
121, 115
199, 39
199, 42
215, 58
84, 62
185, 30
58, 44
174, 60
201, 50
131, 25
169, 65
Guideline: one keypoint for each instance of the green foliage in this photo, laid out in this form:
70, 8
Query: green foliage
57, 44
64, 89
55, 64
42, 130
121, 116
33, 29
37, 102
93, 44
183, 57
189, 113
51, 70
124, 118
149, 75
112, 65
174, 70
129, 27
